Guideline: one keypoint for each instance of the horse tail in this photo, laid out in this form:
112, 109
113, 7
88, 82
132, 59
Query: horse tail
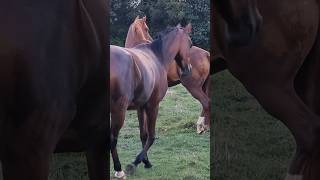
205, 86
90, 32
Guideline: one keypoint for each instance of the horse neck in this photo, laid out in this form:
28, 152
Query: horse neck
130, 42
168, 53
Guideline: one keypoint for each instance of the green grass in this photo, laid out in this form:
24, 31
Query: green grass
178, 152
247, 143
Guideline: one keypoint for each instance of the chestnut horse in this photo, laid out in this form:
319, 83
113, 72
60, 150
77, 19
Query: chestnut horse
197, 84
53, 74
269, 46
138, 79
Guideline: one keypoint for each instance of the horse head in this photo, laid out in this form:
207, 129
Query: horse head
184, 45
138, 32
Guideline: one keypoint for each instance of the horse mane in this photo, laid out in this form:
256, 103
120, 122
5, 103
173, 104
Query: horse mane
163, 33
156, 45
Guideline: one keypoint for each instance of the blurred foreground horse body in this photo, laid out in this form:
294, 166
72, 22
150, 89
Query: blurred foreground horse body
52, 77
197, 83
138, 79
273, 48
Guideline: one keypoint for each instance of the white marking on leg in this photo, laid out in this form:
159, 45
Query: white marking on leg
120, 175
200, 125
200, 120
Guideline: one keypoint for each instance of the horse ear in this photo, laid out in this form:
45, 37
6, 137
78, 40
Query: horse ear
179, 25
144, 18
136, 18
188, 28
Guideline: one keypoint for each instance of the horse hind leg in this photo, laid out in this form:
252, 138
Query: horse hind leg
152, 113
117, 120
142, 116
29, 145
205, 89
197, 92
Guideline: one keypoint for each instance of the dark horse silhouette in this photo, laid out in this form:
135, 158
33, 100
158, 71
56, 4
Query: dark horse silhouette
138, 79
272, 47
53, 76
197, 84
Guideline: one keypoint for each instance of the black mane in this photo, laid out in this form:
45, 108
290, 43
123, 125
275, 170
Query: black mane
163, 33
156, 45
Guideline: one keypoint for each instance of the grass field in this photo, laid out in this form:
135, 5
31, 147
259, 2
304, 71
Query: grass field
247, 143
177, 154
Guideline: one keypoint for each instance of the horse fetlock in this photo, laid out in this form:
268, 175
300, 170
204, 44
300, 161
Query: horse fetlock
117, 166
146, 162
138, 159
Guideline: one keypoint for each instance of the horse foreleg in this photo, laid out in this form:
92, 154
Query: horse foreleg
282, 102
117, 121
28, 146
96, 156
33, 164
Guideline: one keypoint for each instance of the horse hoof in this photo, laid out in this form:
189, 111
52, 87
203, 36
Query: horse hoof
130, 169
200, 129
148, 165
120, 175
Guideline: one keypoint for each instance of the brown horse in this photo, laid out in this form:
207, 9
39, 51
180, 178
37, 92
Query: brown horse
138, 33
269, 46
197, 84
138, 78
53, 75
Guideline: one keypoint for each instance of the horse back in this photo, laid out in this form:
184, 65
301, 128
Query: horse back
133, 74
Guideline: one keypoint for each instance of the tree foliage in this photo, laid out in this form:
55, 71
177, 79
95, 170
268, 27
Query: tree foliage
160, 14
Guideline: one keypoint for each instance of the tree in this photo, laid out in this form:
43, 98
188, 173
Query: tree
160, 14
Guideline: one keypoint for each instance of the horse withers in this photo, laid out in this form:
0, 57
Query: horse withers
197, 84
138, 79
267, 50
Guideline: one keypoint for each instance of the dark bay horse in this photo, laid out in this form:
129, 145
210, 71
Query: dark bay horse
273, 48
53, 75
138, 79
197, 84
